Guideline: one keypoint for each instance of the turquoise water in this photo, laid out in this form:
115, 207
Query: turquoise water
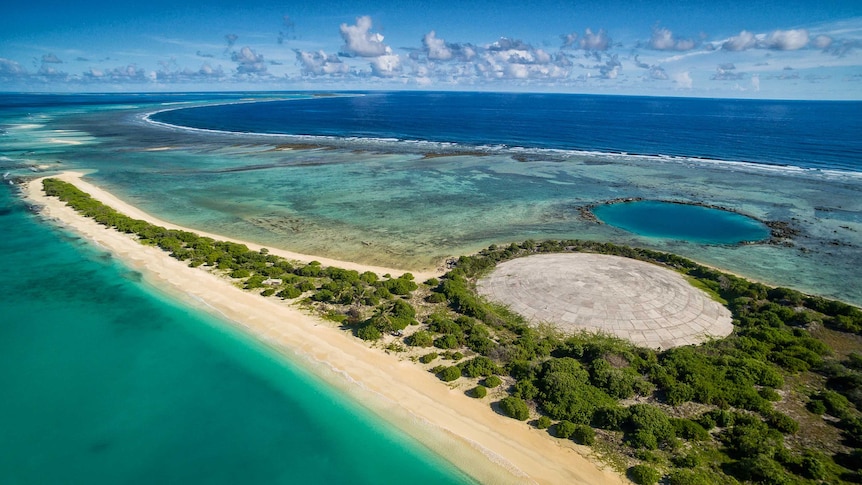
686, 222
106, 380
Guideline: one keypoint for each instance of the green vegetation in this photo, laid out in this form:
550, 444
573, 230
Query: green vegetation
492, 381
515, 408
644, 475
428, 358
479, 392
771, 403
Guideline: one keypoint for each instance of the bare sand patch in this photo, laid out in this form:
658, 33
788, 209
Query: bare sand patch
634, 300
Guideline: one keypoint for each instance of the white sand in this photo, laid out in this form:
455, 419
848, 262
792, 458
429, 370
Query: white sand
489, 447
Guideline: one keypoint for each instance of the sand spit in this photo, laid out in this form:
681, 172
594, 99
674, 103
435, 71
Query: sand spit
491, 448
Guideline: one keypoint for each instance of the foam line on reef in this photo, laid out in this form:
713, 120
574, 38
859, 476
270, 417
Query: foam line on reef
444, 148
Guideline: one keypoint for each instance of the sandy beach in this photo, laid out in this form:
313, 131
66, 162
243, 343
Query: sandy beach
466, 431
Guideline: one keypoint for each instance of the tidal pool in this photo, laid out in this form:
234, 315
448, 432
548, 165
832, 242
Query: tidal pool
671, 220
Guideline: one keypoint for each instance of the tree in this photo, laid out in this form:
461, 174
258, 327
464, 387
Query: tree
644, 475
564, 429
584, 434
479, 392
492, 381
515, 408
450, 373
420, 339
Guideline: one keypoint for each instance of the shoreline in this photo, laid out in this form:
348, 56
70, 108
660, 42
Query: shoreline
466, 432
107, 198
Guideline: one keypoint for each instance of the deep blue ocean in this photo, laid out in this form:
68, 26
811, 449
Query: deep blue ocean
808, 134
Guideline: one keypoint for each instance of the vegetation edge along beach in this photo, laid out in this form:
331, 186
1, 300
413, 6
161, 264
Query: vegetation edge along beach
778, 401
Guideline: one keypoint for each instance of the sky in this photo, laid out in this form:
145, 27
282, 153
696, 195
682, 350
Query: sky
782, 49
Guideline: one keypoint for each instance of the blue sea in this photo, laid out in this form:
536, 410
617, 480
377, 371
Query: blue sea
807, 134
110, 380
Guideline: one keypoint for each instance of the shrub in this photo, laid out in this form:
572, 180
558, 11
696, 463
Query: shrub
811, 466
525, 389
427, 358
611, 417
564, 429
690, 477
305, 285
782, 422
479, 392
289, 293
447, 342
436, 298
816, 406
836, 404
479, 366
543, 422
515, 408
644, 475
690, 430
368, 332
492, 381
689, 460
584, 435
420, 339
649, 427
240, 273
449, 374
769, 394
323, 295
268, 292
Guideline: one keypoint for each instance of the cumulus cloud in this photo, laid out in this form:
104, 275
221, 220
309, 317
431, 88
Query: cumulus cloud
10, 68
435, 48
128, 73
843, 47
683, 80
598, 41
782, 40
517, 52
387, 65
821, 41
745, 40
611, 69
205, 73
319, 63
787, 40
726, 72
569, 40
590, 41
248, 61
664, 40
51, 59
359, 41
657, 72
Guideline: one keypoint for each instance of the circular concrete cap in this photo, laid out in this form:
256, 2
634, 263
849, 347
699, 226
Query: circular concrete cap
641, 302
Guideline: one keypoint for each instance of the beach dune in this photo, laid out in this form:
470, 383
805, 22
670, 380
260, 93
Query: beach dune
466, 431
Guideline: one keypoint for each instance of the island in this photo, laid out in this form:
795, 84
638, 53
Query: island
772, 398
